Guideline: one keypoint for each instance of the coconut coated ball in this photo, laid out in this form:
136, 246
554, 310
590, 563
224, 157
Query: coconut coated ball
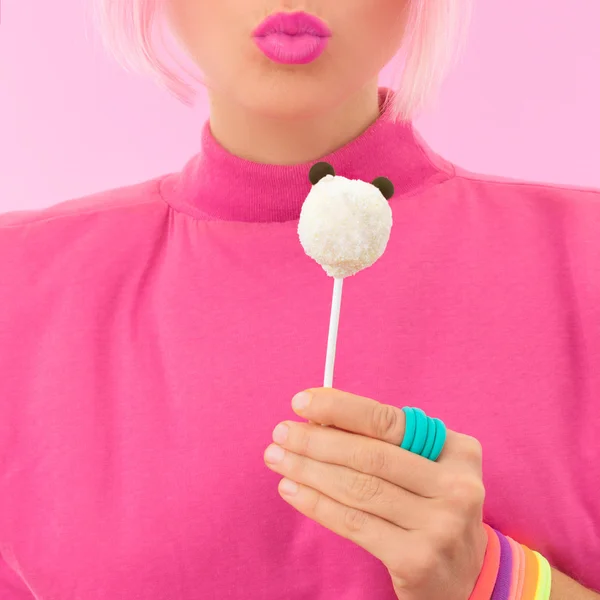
345, 225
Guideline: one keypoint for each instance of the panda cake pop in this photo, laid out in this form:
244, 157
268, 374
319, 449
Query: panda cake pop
345, 225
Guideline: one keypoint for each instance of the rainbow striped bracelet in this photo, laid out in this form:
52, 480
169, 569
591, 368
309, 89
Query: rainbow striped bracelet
511, 571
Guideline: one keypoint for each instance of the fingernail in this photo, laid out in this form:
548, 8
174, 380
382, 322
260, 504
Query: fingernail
301, 401
288, 488
274, 454
280, 433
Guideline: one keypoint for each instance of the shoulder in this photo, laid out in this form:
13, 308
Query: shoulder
570, 212
529, 210
78, 239
108, 203
538, 219
542, 195
107, 217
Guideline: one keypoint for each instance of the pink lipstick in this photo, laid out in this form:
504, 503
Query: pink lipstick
292, 38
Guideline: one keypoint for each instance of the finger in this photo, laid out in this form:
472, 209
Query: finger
386, 542
353, 489
361, 415
353, 413
362, 454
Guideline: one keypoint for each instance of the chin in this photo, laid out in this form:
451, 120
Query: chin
292, 93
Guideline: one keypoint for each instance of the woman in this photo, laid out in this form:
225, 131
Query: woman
154, 336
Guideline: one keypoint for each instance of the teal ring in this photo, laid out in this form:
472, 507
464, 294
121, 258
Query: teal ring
409, 429
431, 429
421, 430
440, 439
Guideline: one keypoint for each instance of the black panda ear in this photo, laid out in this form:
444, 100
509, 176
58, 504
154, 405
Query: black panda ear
385, 186
320, 170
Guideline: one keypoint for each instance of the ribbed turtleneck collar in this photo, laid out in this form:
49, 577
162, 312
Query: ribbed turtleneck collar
216, 185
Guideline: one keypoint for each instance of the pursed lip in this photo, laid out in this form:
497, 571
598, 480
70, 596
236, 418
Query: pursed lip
297, 23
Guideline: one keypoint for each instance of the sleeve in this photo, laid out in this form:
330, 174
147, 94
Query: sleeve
12, 587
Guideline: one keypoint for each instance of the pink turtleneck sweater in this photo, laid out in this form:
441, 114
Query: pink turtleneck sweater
152, 336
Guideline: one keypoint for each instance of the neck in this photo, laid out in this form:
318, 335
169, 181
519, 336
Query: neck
221, 184
278, 141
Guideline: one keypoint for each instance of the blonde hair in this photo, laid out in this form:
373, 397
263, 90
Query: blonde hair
133, 31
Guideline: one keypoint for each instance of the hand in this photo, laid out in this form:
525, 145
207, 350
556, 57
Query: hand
422, 519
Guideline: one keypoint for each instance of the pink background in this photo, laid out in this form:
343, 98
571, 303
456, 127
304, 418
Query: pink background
522, 103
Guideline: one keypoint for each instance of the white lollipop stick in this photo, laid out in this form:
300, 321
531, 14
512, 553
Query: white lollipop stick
334, 322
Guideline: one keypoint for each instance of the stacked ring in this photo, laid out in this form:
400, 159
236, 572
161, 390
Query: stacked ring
423, 435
